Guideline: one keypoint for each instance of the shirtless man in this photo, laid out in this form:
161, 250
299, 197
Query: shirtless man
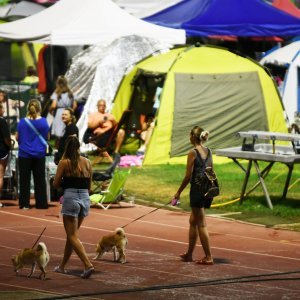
100, 125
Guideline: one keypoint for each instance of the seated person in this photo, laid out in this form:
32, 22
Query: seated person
295, 129
145, 135
100, 126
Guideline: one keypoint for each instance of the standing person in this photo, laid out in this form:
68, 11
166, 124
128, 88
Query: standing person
61, 98
12, 108
32, 133
71, 129
74, 174
197, 218
32, 79
5, 146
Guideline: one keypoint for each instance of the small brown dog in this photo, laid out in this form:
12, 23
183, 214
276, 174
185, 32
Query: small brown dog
33, 257
113, 242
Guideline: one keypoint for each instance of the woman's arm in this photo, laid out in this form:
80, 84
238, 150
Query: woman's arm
59, 174
53, 106
188, 173
91, 172
74, 105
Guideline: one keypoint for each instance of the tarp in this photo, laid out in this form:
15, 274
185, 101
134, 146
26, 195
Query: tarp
90, 69
288, 56
288, 7
231, 17
70, 22
205, 86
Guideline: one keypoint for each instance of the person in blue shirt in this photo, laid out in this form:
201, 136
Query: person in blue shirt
31, 156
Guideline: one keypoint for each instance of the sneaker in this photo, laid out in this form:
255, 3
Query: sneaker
142, 149
1, 205
25, 207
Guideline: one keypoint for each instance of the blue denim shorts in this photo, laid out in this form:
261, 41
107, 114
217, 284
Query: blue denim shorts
76, 203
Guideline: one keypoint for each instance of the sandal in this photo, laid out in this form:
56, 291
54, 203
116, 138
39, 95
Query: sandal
87, 273
205, 261
58, 269
185, 257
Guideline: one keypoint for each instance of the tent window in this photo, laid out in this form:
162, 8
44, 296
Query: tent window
142, 101
223, 104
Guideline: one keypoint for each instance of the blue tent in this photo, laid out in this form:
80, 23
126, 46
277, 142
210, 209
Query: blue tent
228, 17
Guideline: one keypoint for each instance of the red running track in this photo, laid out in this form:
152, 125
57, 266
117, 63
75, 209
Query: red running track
251, 262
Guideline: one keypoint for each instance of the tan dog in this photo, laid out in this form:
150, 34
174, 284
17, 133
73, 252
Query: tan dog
113, 242
33, 257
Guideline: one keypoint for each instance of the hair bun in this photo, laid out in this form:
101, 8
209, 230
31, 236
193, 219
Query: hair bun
204, 135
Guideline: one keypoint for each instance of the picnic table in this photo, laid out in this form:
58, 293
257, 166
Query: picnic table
268, 152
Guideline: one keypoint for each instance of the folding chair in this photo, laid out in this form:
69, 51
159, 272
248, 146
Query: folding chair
114, 191
103, 151
100, 176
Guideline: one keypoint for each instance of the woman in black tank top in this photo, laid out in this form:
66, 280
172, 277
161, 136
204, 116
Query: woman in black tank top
197, 218
74, 174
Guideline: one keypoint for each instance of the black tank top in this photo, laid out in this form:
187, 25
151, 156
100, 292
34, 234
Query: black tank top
76, 182
200, 164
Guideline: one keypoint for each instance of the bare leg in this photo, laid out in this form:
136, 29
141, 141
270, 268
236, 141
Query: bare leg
119, 140
203, 234
72, 225
193, 234
68, 250
148, 135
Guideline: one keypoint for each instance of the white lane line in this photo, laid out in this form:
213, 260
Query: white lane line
244, 237
167, 241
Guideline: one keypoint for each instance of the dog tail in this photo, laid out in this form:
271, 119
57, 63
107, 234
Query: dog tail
120, 231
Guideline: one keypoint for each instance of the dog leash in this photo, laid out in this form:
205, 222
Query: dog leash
150, 212
39, 237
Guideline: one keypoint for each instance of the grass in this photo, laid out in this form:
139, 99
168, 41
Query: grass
158, 184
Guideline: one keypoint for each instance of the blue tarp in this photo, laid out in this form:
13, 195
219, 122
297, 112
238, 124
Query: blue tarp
227, 17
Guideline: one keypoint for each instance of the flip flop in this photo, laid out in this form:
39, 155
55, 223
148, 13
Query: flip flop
87, 273
184, 257
204, 261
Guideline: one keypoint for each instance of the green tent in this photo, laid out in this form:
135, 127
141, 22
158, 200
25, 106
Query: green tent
207, 86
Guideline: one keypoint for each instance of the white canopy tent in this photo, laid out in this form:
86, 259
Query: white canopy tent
88, 22
290, 57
